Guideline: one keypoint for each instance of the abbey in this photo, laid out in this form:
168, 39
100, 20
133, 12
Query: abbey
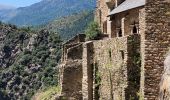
128, 62
118, 18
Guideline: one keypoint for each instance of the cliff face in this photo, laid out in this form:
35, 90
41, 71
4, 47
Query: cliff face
28, 61
10, 43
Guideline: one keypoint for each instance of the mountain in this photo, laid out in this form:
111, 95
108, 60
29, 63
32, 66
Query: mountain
29, 59
6, 7
45, 11
5, 12
69, 26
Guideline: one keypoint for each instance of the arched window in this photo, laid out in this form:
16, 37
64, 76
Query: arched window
135, 31
120, 33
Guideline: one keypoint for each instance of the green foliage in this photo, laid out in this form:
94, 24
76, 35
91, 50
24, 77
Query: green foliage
25, 59
69, 26
48, 94
97, 81
92, 31
26, 70
134, 69
140, 95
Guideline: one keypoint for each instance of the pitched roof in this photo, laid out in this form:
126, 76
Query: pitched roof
127, 5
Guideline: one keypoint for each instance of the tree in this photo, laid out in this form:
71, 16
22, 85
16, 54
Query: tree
92, 31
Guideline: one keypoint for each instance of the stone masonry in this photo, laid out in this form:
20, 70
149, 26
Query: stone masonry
128, 65
157, 43
114, 60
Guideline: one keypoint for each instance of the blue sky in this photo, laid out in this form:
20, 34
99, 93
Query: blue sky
18, 3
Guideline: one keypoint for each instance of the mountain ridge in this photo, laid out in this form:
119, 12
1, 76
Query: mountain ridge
6, 7
69, 26
45, 11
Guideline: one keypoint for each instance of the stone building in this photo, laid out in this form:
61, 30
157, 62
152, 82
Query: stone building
127, 65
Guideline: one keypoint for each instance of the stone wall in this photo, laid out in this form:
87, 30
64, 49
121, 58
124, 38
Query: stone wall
122, 68
75, 52
133, 67
72, 43
125, 21
101, 14
102, 69
76, 39
157, 43
87, 81
108, 59
142, 26
115, 66
70, 71
71, 84
101, 11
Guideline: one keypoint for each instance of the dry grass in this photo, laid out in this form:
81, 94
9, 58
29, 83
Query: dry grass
48, 94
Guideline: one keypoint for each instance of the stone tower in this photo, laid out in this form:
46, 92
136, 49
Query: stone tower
155, 45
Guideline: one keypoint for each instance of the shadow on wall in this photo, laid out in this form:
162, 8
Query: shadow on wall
133, 69
97, 82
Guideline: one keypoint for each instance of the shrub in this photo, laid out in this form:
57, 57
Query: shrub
20, 68
25, 59
92, 31
16, 88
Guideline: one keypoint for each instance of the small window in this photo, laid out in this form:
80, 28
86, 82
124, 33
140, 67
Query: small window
135, 31
105, 27
134, 28
100, 16
122, 54
120, 33
110, 54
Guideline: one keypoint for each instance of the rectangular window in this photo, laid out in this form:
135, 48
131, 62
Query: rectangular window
105, 27
122, 54
119, 32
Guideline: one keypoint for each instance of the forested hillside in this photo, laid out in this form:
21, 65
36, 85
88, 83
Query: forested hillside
28, 61
71, 25
29, 56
